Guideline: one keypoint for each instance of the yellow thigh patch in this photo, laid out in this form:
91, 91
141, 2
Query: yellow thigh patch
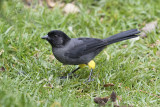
92, 64
82, 65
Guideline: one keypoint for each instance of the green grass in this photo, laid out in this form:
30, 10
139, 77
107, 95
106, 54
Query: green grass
31, 77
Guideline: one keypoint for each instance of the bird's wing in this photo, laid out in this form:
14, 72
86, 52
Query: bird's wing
87, 46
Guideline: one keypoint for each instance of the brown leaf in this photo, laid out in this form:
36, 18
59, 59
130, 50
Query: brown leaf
119, 85
71, 8
51, 57
50, 3
149, 93
109, 84
2, 69
124, 46
143, 35
49, 85
119, 98
101, 101
40, 2
113, 96
158, 42
152, 45
28, 2
101, 19
149, 28
1, 52
36, 55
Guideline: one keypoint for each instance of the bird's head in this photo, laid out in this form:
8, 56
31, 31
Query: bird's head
56, 38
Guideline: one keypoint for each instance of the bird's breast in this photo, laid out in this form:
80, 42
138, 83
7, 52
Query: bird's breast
59, 54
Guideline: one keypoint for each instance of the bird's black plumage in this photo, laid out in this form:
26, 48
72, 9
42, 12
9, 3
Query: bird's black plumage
87, 46
122, 36
75, 51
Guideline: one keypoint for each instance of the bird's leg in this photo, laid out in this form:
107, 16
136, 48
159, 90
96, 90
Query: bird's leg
91, 65
90, 75
69, 75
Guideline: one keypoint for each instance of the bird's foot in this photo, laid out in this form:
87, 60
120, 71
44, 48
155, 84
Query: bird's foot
65, 77
90, 80
69, 76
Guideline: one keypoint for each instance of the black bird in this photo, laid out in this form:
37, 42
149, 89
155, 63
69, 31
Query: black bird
81, 51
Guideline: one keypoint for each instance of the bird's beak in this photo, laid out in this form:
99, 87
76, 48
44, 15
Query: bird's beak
45, 37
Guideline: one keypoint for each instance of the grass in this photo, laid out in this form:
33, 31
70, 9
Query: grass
31, 75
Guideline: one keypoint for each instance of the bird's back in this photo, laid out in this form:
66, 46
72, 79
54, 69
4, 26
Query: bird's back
78, 51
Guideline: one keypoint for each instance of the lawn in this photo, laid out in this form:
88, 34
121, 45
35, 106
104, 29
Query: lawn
29, 73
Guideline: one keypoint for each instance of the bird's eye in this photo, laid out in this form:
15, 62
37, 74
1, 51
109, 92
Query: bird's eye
56, 36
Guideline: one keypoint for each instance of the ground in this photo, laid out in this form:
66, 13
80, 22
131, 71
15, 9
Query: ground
29, 73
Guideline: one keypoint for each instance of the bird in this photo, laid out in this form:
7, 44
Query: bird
81, 51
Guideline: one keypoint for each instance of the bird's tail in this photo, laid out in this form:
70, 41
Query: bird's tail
122, 36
